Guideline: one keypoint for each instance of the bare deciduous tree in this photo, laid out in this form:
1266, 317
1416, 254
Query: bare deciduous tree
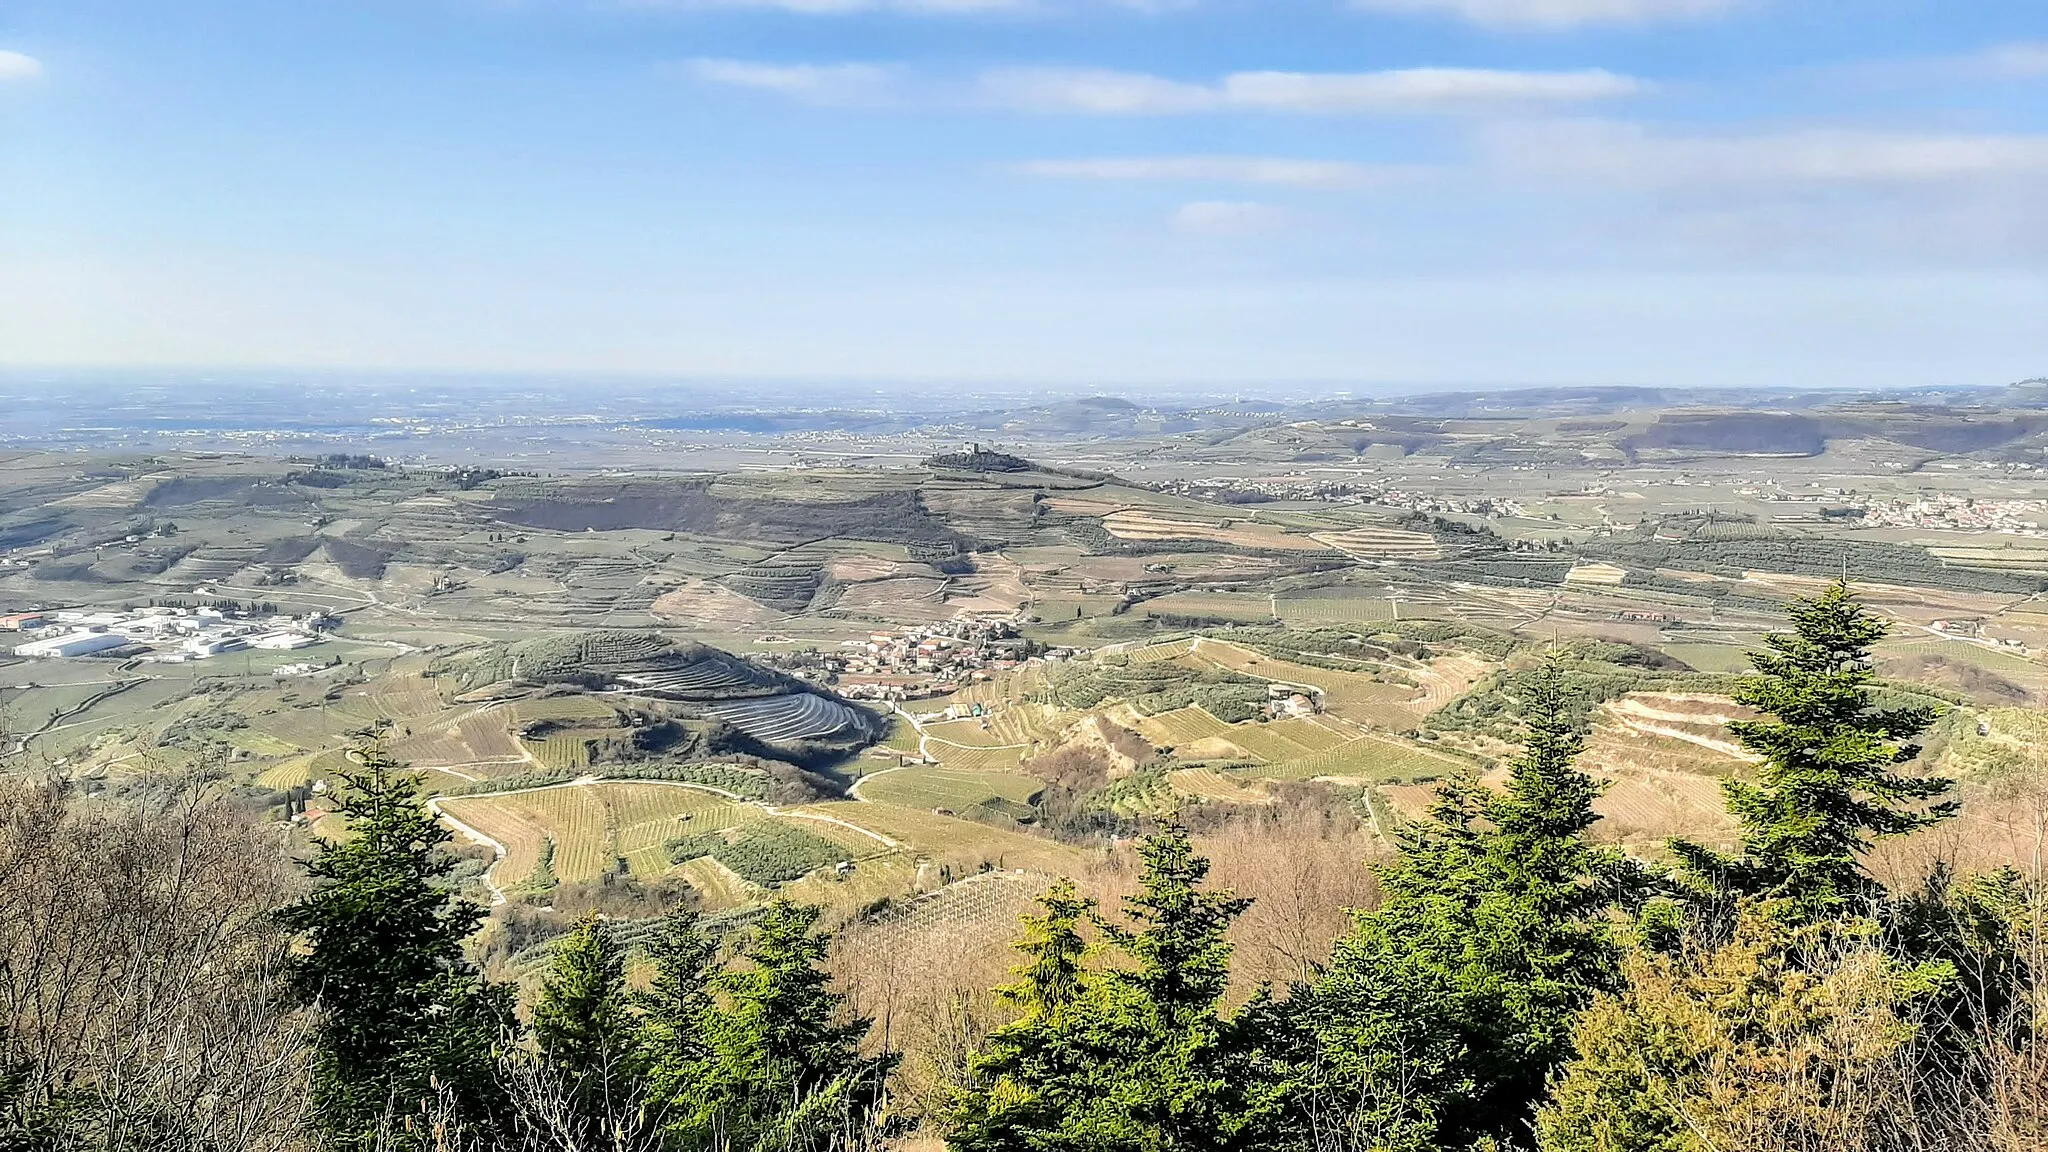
139, 972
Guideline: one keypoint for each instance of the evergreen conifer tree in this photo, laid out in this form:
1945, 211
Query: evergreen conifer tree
1443, 1011
1829, 782
676, 1002
1135, 1056
781, 1070
404, 1016
1026, 1070
585, 1030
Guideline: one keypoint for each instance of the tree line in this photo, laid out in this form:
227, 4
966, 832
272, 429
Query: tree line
1517, 987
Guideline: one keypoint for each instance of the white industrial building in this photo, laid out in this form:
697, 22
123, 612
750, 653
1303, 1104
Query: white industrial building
204, 646
284, 641
72, 644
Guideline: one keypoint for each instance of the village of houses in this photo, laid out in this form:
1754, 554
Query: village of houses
929, 660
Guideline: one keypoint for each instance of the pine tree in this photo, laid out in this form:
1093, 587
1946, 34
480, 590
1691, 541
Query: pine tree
781, 1070
584, 1029
1025, 1070
404, 1016
1137, 1056
1182, 957
1829, 782
1777, 1038
674, 1006
1189, 1088
1443, 1011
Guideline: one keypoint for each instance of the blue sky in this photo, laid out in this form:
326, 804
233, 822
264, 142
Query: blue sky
1301, 193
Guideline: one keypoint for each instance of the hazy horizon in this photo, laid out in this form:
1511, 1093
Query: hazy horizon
1095, 194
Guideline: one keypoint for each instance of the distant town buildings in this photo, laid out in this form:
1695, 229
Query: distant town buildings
68, 644
162, 634
1275, 488
1957, 513
928, 660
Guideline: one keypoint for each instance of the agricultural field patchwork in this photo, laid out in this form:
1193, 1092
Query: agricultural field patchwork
951, 788
592, 826
538, 629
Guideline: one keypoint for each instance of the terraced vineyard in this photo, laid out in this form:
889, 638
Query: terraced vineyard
1184, 726
572, 710
1367, 757
944, 787
566, 751
976, 759
1153, 653
1317, 611
1284, 740
1026, 723
703, 678
800, 716
1353, 696
971, 733
592, 824
1248, 607
785, 584
1216, 787
1382, 543
472, 739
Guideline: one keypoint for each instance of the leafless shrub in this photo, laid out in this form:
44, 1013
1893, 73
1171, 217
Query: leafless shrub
140, 971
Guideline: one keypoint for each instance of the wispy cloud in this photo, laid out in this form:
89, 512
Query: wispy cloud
2014, 60
1227, 218
18, 67
1411, 90
839, 7
1555, 14
832, 84
1336, 175
1633, 155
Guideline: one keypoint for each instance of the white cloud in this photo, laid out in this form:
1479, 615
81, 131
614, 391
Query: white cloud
1420, 88
1227, 217
810, 83
1401, 90
18, 67
1092, 90
1275, 171
1632, 155
838, 7
1554, 14
2015, 60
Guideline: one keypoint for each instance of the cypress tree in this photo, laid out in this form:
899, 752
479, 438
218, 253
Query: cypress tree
1829, 783
404, 1016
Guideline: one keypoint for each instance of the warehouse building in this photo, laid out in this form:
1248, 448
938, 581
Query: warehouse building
72, 644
